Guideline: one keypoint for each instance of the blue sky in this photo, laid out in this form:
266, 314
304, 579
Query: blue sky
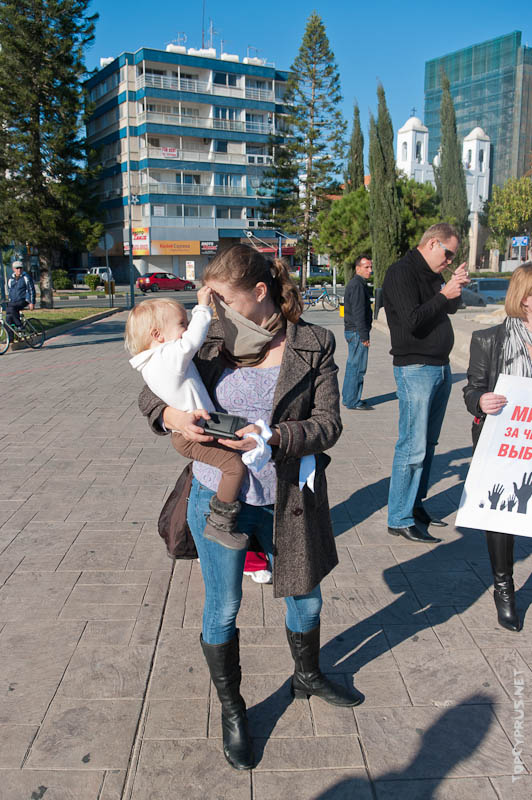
373, 41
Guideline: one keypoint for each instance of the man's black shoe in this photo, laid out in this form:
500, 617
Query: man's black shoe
421, 515
413, 534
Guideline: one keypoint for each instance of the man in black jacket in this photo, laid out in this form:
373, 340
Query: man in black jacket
357, 325
418, 303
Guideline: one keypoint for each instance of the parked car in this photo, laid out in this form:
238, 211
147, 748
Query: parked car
77, 275
471, 298
153, 281
491, 289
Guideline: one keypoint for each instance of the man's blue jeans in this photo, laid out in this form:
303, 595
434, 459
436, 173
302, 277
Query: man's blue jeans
355, 369
223, 569
423, 391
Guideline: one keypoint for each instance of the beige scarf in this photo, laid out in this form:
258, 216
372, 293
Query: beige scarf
245, 343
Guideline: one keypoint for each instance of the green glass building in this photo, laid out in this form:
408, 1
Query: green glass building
491, 86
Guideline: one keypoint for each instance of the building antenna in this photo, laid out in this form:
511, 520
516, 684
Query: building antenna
212, 32
203, 27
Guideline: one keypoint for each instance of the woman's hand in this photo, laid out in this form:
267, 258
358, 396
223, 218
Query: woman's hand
186, 423
491, 403
242, 444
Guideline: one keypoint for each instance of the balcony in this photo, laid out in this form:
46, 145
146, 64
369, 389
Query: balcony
186, 121
204, 156
193, 222
195, 189
202, 87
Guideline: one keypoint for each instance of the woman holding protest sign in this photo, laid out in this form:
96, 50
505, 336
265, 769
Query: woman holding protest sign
506, 349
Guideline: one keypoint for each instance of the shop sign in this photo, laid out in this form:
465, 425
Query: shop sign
160, 247
208, 248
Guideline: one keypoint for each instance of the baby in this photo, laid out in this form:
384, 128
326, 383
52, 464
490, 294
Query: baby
163, 345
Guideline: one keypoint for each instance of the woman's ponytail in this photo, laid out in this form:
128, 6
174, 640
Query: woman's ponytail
285, 292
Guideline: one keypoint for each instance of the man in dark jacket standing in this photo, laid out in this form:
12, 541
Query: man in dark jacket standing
357, 325
418, 303
20, 293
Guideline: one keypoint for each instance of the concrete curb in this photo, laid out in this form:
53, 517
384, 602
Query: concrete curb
51, 333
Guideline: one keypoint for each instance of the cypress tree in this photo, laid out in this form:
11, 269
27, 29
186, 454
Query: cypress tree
449, 174
354, 174
384, 206
44, 184
307, 164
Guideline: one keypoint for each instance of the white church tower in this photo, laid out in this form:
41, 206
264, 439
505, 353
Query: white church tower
412, 151
411, 159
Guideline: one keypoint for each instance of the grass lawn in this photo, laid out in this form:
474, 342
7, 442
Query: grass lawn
50, 318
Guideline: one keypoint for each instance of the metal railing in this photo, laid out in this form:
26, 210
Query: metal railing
202, 87
193, 222
204, 122
196, 189
204, 156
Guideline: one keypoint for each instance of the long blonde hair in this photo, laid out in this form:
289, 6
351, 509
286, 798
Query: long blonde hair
519, 288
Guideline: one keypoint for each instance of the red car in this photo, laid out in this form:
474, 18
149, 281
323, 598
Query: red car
153, 281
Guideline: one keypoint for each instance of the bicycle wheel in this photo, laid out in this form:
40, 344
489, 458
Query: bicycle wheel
34, 333
330, 302
4, 339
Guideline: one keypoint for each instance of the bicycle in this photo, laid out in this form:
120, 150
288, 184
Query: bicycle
31, 332
330, 302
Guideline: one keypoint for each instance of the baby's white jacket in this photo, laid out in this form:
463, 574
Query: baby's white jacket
169, 370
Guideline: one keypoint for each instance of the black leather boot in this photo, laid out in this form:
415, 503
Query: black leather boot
501, 552
308, 679
224, 665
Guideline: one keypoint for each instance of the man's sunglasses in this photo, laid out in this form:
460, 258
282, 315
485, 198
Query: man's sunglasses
449, 254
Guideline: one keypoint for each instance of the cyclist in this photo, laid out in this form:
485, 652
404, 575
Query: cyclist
20, 292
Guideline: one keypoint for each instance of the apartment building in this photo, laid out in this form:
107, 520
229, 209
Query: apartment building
183, 138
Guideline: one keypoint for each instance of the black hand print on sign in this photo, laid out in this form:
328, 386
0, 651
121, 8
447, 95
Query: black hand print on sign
495, 495
512, 500
524, 493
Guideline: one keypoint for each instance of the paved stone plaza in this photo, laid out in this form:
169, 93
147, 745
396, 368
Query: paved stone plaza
105, 694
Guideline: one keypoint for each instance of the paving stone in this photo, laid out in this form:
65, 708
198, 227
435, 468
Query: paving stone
86, 734
15, 741
177, 719
179, 670
57, 785
117, 632
324, 752
463, 741
338, 784
160, 772
507, 789
101, 671
453, 789
113, 785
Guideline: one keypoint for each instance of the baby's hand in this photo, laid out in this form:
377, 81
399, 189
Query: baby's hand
204, 296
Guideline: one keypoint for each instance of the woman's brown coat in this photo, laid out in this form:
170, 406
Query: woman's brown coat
306, 411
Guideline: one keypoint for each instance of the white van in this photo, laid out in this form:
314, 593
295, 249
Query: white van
102, 273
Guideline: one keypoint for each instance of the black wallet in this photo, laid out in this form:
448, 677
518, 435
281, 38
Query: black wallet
222, 426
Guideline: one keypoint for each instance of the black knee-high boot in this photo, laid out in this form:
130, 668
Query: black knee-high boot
501, 552
224, 665
308, 679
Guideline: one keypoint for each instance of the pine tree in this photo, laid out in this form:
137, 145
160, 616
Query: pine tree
449, 174
44, 183
354, 174
307, 164
384, 206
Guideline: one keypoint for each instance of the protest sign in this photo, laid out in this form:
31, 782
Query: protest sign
497, 494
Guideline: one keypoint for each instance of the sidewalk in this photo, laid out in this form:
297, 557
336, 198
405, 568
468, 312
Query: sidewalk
105, 694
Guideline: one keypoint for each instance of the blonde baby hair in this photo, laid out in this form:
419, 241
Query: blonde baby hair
148, 316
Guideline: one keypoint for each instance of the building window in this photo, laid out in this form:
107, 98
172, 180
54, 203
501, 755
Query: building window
404, 150
481, 160
221, 179
228, 213
220, 146
224, 79
190, 211
189, 179
468, 159
418, 152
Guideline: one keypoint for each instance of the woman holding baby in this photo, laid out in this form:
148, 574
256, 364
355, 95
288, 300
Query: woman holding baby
261, 361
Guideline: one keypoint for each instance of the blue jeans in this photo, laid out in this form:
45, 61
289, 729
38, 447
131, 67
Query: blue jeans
355, 369
423, 391
222, 571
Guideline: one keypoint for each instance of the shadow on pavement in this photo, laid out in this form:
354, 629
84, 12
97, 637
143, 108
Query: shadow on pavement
453, 738
373, 497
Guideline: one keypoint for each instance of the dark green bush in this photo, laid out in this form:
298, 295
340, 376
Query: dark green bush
60, 279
